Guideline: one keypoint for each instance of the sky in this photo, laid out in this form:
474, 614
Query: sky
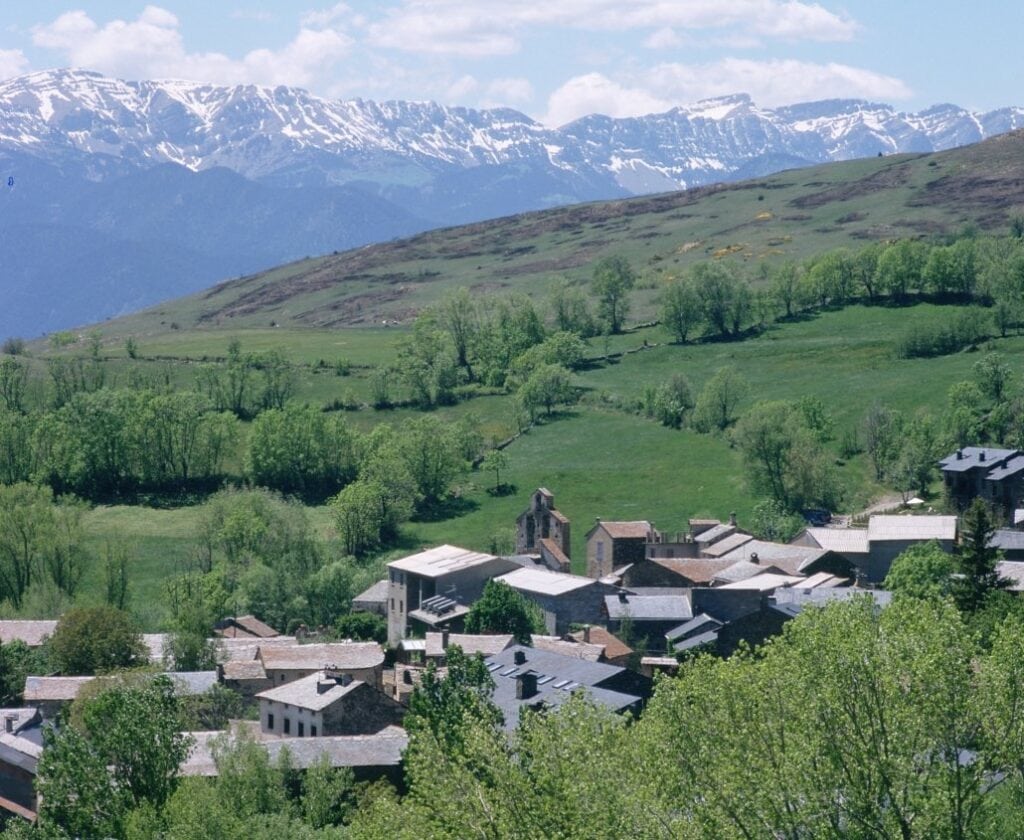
554, 60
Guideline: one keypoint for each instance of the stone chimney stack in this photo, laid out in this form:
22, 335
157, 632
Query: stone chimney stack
526, 685
519, 657
444, 639
732, 518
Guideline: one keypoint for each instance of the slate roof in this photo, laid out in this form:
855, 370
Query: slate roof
42, 689
244, 670
305, 693
894, 527
691, 642
339, 655
557, 677
787, 558
383, 749
841, 540
1007, 539
972, 458
822, 580
714, 534
700, 623
763, 582
1013, 571
725, 545
31, 633
441, 561
1011, 466
638, 529
741, 569
544, 582
376, 594
792, 601
470, 643
555, 550
648, 607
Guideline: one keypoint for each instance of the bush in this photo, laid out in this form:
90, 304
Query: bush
928, 340
13, 346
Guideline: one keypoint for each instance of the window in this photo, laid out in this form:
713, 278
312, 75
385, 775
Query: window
287, 726
282, 677
401, 606
600, 551
302, 729
392, 605
312, 731
270, 721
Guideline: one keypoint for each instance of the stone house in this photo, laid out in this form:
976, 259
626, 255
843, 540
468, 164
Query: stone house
21, 745
525, 677
611, 545
651, 616
563, 599
326, 703
432, 590
51, 694
542, 529
244, 627
287, 663
997, 475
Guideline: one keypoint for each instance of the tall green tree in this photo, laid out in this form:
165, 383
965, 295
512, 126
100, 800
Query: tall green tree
976, 558
93, 640
680, 309
502, 609
611, 283
718, 400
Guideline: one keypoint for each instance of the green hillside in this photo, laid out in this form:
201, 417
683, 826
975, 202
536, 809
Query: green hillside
791, 215
602, 456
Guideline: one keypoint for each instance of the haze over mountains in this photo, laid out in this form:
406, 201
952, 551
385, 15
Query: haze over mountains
126, 193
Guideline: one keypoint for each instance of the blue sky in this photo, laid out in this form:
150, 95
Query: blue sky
553, 59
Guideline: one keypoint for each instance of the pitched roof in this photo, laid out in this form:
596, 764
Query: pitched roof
31, 633
792, 601
715, 533
544, 582
42, 689
1009, 466
555, 550
700, 623
383, 749
376, 594
1007, 539
697, 569
231, 650
244, 670
614, 647
470, 643
971, 457
335, 655
841, 540
557, 678
764, 582
440, 561
315, 692
895, 527
1013, 571
741, 570
253, 626
580, 650
638, 529
648, 607
725, 545
792, 559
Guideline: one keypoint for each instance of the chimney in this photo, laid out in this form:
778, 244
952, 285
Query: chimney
526, 685
345, 679
959, 454
753, 557
981, 455
519, 657
732, 518
10, 719
444, 639
586, 634
622, 597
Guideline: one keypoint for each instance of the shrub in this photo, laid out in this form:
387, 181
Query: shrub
928, 340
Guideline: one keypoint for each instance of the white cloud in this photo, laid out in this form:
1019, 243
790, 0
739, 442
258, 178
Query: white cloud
12, 63
326, 17
151, 46
597, 94
769, 83
665, 38
773, 82
482, 28
461, 88
507, 91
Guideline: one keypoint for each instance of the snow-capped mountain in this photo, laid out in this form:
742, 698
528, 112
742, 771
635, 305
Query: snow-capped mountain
159, 188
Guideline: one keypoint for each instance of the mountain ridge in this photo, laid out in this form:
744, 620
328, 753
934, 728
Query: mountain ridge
326, 175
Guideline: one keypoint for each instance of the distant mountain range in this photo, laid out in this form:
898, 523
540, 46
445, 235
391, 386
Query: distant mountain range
125, 193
